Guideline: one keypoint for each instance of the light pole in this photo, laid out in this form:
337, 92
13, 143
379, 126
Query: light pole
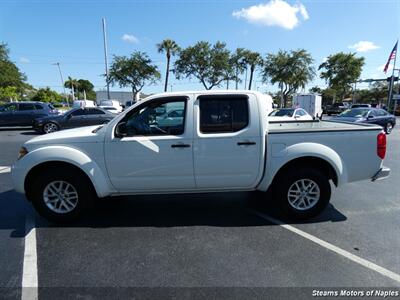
62, 81
105, 56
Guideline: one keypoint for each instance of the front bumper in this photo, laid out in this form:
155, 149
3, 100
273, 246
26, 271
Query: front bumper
383, 173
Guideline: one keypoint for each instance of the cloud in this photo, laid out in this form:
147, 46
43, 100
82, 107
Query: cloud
130, 38
24, 60
274, 13
364, 46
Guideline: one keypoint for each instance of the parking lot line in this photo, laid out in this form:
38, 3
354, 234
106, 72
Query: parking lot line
329, 246
30, 273
5, 169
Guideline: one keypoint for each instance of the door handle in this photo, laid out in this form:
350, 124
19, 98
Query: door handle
180, 146
247, 143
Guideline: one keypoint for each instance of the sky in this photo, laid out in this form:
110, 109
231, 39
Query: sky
42, 32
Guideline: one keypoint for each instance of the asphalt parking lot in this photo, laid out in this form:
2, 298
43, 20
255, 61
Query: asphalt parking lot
192, 246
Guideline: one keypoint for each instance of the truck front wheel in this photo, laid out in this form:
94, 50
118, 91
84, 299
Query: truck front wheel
302, 193
61, 196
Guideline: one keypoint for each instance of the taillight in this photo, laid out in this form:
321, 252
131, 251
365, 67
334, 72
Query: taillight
381, 145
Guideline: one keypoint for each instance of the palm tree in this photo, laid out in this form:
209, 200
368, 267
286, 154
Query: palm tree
170, 47
73, 85
253, 59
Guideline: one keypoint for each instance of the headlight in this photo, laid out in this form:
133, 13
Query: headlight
22, 152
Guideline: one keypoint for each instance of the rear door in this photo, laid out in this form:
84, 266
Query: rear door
227, 144
25, 114
7, 114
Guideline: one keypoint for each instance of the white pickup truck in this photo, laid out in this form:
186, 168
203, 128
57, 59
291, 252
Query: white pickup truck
218, 141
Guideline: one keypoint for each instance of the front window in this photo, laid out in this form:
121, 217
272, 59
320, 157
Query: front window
78, 112
152, 119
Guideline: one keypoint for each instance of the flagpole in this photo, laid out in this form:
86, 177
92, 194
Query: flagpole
389, 102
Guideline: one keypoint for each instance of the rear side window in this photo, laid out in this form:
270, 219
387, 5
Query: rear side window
26, 106
94, 111
38, 106
219, 114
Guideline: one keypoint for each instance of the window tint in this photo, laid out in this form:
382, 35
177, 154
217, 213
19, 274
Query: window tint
26, 106
38, 106
9, 107
94, 111
372, 113
147, 119
223, 114
381, 113
78, 112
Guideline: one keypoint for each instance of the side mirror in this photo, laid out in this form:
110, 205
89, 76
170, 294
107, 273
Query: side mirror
121, 130
370, 117
68, 116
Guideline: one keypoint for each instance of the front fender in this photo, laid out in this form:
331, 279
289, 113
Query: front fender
302, 150
65, 154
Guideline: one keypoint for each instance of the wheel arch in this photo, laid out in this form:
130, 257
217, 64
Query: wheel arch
57, 156
310, 162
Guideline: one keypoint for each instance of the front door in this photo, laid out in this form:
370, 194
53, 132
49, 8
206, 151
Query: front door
147, 156
227, 144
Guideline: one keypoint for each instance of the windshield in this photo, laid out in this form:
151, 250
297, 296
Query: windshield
284, 112
355, 113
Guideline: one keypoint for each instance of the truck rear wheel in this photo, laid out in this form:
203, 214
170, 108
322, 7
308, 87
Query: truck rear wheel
61, 196
302, 193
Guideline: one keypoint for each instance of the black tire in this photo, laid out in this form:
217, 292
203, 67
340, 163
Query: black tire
54, 125
389, 127
79, 181
285, 182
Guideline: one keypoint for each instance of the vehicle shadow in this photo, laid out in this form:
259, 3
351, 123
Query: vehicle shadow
31, 133
211, 209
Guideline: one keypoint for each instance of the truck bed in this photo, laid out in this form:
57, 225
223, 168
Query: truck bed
317, 126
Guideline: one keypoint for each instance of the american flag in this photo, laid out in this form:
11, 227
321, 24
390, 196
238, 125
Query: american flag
391, 56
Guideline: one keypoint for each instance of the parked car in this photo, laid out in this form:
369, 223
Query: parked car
76, 117
358, 105
368, 115
222, 143
336, 108
287, 114
24, 113
112, 103
111, 109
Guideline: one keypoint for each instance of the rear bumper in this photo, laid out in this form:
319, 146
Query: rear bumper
383, 173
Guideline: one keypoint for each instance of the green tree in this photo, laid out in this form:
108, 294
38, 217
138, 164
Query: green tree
8, 93
47, 95
238, 64
252, 59
10, 76
170, 47
341, 70
73, 85
134, 72
290, 70
210, 64
86, 87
